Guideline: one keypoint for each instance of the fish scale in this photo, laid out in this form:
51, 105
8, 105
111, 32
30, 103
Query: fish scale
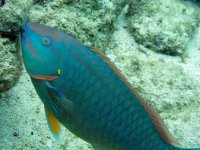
90, 97
121, 113
101, 105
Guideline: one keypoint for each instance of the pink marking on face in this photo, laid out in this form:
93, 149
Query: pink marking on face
43, 77
31, 49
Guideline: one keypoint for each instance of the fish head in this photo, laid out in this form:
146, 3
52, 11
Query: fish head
42, 51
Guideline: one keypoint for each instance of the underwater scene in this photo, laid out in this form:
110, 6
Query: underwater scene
100, 75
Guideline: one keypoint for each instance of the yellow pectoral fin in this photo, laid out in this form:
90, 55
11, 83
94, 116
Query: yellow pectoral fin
53, 123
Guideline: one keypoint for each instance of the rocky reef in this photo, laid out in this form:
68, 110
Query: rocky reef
155, 43
9, 64
10, 26
169, 34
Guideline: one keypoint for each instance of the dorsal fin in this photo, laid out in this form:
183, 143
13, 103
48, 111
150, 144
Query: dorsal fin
158, 122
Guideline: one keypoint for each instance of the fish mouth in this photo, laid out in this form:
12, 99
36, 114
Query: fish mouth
43, 77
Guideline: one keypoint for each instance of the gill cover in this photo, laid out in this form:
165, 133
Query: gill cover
41, 54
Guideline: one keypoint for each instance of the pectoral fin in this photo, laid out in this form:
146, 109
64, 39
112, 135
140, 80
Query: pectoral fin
53, 124
59, 99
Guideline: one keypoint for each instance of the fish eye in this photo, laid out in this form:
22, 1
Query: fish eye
46, 41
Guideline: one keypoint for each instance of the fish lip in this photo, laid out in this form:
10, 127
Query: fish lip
43, 77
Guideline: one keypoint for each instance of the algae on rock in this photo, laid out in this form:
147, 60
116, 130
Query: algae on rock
165, 26
9, 64
89, 21
13, 13
11, 20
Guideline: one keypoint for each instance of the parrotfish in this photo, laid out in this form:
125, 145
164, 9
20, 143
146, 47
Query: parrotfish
84, 91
